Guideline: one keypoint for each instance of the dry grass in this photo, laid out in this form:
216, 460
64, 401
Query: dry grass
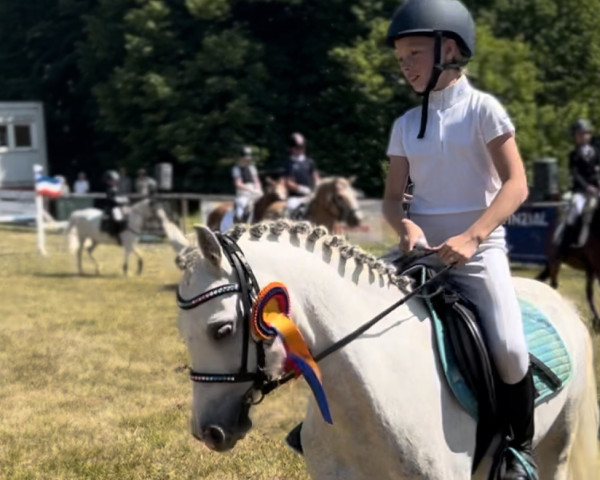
91, 384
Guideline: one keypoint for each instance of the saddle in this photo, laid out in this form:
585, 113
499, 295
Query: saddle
112, 227
466, 361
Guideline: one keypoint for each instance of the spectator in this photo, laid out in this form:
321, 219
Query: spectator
124, 186
144, 184
81, 185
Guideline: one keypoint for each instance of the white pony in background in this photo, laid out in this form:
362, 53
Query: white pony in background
394, 416
83, 231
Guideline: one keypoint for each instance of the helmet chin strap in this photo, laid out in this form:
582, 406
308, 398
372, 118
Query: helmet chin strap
438, 68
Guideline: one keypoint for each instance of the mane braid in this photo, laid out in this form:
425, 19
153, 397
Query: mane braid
314, 234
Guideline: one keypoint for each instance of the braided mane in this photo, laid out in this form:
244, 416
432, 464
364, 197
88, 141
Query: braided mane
187, 259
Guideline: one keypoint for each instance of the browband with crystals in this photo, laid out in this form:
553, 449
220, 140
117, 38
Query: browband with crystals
206, 296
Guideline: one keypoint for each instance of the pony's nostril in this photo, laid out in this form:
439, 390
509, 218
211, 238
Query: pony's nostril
214, 435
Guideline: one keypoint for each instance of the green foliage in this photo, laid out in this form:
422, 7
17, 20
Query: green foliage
505, 67
136, 82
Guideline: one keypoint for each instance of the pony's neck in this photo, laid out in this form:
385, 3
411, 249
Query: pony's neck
333, 285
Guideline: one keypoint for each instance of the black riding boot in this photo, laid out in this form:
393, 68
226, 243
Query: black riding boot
518, 402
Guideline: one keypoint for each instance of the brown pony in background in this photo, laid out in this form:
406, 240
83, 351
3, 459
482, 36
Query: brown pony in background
333, 201
275, 191
586, 258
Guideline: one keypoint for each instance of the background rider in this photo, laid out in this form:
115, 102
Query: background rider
584, 169
247, 185
300, 172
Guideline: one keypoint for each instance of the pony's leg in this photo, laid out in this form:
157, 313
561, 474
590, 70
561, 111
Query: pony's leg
126, 253
140, 260
589, 290
553, 269
90, 251
544, 274
79, 253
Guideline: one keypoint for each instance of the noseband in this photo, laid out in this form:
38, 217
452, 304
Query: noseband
247, 287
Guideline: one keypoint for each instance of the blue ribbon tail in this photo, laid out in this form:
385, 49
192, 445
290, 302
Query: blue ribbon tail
315, 385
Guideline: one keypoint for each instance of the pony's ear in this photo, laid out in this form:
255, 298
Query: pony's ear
352, 179
209, 245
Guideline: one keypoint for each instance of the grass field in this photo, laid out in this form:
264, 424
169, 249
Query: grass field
92, 377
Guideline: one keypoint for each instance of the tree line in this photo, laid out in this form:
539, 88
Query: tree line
137, 82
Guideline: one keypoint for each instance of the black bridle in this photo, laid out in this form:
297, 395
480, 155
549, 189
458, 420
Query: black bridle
248, 288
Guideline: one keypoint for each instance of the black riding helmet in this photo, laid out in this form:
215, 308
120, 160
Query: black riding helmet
581, 125
111, 175
245, 151
438, 19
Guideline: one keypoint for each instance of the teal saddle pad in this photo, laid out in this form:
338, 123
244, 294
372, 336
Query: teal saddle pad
543, 341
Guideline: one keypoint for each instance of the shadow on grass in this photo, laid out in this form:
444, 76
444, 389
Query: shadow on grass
169, 287
88, 276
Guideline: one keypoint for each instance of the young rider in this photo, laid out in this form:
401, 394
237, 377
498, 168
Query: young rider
459, 149
247, 184
300, 172
113, 209
584, 168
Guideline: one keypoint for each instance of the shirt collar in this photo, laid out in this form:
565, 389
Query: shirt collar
450, 96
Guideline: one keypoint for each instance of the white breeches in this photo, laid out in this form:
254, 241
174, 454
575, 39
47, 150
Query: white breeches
243, 199
295, 202
575, 208
486, 281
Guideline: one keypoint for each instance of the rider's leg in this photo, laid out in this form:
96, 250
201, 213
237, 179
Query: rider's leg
586, 219
240, 204
569, 234
486, 281
502, 325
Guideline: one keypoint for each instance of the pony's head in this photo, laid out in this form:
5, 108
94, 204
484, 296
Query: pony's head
337, 198
229, 366
147, 208
276, 188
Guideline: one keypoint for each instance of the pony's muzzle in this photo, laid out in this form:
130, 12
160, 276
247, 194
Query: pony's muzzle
215, 438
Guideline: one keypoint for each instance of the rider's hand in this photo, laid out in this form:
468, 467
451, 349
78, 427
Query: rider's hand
411, 235
458, 249
303, 190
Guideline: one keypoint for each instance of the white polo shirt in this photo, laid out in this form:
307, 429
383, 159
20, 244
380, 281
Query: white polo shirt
451, 167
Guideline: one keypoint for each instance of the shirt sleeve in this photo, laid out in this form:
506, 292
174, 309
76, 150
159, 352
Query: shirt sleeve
254, 172
395, 144
495, 120
236, 172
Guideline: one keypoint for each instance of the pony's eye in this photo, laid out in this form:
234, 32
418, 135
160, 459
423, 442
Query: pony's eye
221, 330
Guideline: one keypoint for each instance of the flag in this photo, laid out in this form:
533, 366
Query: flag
48, 186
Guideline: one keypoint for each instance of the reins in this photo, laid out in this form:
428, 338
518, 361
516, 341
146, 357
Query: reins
341, 343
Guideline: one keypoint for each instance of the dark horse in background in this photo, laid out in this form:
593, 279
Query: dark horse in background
586, 258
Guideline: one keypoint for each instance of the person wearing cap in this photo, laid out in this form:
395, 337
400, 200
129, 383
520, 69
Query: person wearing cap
300, 172
459, 149
584, 169
247, 185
